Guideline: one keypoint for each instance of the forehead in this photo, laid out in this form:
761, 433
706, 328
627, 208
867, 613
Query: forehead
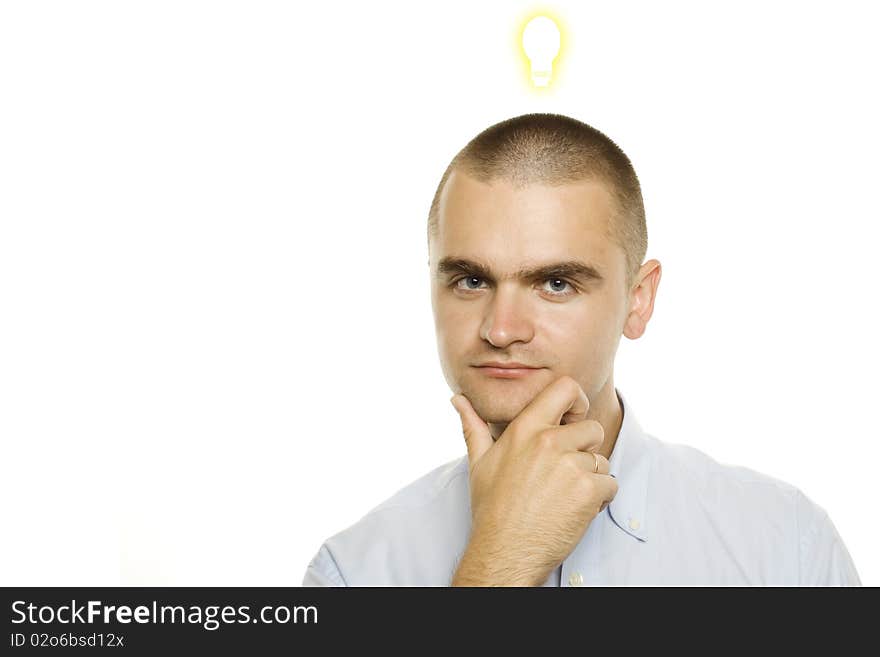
500, 222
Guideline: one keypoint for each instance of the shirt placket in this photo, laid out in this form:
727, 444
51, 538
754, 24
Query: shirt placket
581, 567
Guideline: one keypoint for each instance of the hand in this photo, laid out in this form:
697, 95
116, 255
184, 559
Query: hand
534, 491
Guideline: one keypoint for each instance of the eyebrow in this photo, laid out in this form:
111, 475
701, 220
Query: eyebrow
574, 269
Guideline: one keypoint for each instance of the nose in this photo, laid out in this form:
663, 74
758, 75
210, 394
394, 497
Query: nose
507, 318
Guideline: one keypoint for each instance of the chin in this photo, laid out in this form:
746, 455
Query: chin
499, 401
500, 420
498, 412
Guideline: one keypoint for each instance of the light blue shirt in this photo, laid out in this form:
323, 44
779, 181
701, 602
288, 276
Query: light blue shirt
679, 519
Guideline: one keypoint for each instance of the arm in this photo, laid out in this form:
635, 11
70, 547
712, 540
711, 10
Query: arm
824, 559
478, 567
323, 571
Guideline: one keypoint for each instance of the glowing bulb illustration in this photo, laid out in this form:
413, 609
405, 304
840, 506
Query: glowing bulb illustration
541, 40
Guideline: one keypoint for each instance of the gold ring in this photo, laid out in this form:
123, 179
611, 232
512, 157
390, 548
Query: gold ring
596, 459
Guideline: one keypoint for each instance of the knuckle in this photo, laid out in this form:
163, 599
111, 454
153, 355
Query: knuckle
596, 428
546, 439
594, 434
613, 487
569, 383
570, 462
587, 485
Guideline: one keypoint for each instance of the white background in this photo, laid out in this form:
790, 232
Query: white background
216, 340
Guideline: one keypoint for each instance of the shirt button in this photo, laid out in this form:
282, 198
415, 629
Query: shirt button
633, 523
575, 579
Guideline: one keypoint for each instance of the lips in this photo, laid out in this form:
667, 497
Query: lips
508, 370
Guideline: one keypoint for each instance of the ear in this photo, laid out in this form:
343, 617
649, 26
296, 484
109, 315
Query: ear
641, 299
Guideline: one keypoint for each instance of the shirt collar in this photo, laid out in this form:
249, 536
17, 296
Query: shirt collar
630, 463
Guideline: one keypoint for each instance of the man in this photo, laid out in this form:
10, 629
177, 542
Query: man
536, 236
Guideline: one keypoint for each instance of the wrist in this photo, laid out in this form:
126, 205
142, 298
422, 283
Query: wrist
481, 567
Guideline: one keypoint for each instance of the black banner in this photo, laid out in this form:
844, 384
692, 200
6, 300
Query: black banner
250, 620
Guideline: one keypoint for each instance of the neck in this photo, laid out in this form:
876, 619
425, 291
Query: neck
604, 408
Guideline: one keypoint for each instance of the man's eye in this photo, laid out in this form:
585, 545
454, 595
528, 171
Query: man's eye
468, 279
556, 289
562, 283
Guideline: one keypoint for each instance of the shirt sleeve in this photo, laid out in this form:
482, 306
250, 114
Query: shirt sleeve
323, 571
824, 559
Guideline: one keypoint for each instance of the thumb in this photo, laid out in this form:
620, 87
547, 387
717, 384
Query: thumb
475, 430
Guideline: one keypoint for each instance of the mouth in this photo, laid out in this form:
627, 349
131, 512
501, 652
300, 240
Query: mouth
507, 372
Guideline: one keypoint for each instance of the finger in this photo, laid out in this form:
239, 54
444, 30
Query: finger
476, 431
591, 461
562, 397
585, 436
607, 487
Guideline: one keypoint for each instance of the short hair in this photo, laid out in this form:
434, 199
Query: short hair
554, 149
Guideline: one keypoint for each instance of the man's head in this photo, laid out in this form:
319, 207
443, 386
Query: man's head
532, 191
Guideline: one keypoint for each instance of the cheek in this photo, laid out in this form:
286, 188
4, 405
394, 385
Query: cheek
580, 336
453, 318
454, 326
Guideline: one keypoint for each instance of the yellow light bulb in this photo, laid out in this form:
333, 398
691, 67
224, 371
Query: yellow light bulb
540, 40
